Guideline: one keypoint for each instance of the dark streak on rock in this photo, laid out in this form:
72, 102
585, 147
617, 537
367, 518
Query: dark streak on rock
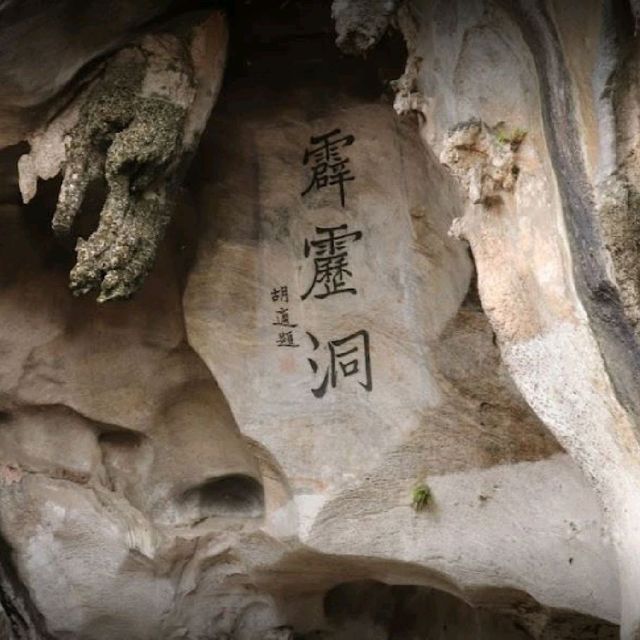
25, 622
598, 294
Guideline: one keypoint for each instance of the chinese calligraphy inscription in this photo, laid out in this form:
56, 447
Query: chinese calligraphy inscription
286, 336
328, 166
330, 259
348, 358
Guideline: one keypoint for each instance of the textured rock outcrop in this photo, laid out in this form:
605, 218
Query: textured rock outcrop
551, 279
133, 125
381, 381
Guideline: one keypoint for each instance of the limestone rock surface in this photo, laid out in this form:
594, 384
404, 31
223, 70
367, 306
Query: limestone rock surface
382, 378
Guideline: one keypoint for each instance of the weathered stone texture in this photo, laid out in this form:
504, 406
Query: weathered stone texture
383, 388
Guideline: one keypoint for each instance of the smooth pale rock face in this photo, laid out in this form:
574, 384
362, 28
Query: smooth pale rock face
553, 250
352, 349
323, 417
98, 462
440, 408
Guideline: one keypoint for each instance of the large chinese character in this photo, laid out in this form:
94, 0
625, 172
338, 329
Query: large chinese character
329, 167
330, 261
349, 358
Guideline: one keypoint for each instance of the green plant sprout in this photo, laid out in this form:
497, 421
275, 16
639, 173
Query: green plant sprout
514, 138
421, 497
